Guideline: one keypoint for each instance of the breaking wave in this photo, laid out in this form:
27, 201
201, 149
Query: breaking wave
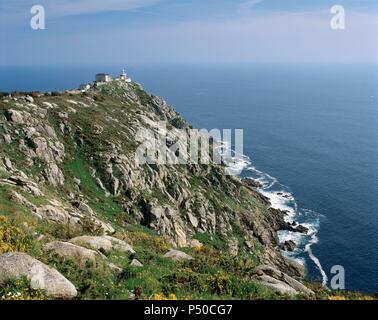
281, 198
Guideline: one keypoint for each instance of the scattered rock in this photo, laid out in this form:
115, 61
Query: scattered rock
82, 206
7, 138
279, 281
252, 183
167, 221
177, 255
97, 243
20, 199
29, 99
233, 247
15, 116
193, 220
289, 245
8, 164
54, 175
68, 250
41, 276
97, 129
115, 268
54, 214
120, 245
136, 263
104, 244
301, 229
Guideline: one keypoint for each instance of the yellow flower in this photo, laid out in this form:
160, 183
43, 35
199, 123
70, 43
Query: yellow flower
337, 298
12, 237
161, 296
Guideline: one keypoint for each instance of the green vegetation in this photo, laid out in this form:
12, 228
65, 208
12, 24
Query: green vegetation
178, 205
105, 205
13, 237
19, 289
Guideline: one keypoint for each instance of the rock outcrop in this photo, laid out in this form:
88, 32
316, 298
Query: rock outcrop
70, 160
104, 244
41, 276
68, 250
279, 281
177, 255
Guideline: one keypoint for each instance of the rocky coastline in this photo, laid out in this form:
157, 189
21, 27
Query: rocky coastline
68, 162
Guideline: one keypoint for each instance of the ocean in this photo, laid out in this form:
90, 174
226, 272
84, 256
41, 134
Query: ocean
310, 137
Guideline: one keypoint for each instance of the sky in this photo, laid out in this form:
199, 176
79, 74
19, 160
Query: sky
187, 31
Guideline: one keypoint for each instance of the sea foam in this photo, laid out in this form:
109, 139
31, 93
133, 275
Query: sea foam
281, 198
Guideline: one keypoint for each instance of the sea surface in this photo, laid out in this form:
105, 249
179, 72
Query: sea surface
310, 134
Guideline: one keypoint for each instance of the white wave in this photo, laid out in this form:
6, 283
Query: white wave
285, 235
284, 200
314, 240
235, 163
280, 199
266, 180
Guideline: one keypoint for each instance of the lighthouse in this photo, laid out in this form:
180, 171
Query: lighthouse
123, 76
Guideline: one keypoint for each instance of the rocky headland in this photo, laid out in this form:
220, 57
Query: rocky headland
80, 218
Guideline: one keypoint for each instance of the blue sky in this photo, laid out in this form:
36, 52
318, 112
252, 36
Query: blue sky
188, 31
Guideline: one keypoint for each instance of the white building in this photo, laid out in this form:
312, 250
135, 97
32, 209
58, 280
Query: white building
103, 77
85, 87
123, 76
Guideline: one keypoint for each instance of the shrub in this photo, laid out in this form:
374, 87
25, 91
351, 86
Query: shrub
220, 283
98, 98
158, 244
161, 296
90, 226
12, 237
185, 280
92, 281
208, 260
19, 289
63, 231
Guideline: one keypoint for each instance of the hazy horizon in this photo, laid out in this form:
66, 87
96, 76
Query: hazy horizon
188, 32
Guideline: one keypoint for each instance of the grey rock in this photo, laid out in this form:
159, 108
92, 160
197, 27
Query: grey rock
252, 183
279, 281
54, 175
120, 245
15, 116
41, 276
68, 250
82, 206
97, 243
301, 229
289, 245
115, 268
29, 99
177, 255
104, 244
136, 263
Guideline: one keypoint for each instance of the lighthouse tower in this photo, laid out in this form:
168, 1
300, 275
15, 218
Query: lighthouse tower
123, 76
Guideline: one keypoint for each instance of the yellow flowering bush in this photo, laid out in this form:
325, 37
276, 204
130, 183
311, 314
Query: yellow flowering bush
155, 242
160, 296
12, 237
220, 282
337, 298
19, 289
198, 249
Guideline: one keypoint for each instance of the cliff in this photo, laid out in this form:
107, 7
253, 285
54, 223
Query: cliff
74, 201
